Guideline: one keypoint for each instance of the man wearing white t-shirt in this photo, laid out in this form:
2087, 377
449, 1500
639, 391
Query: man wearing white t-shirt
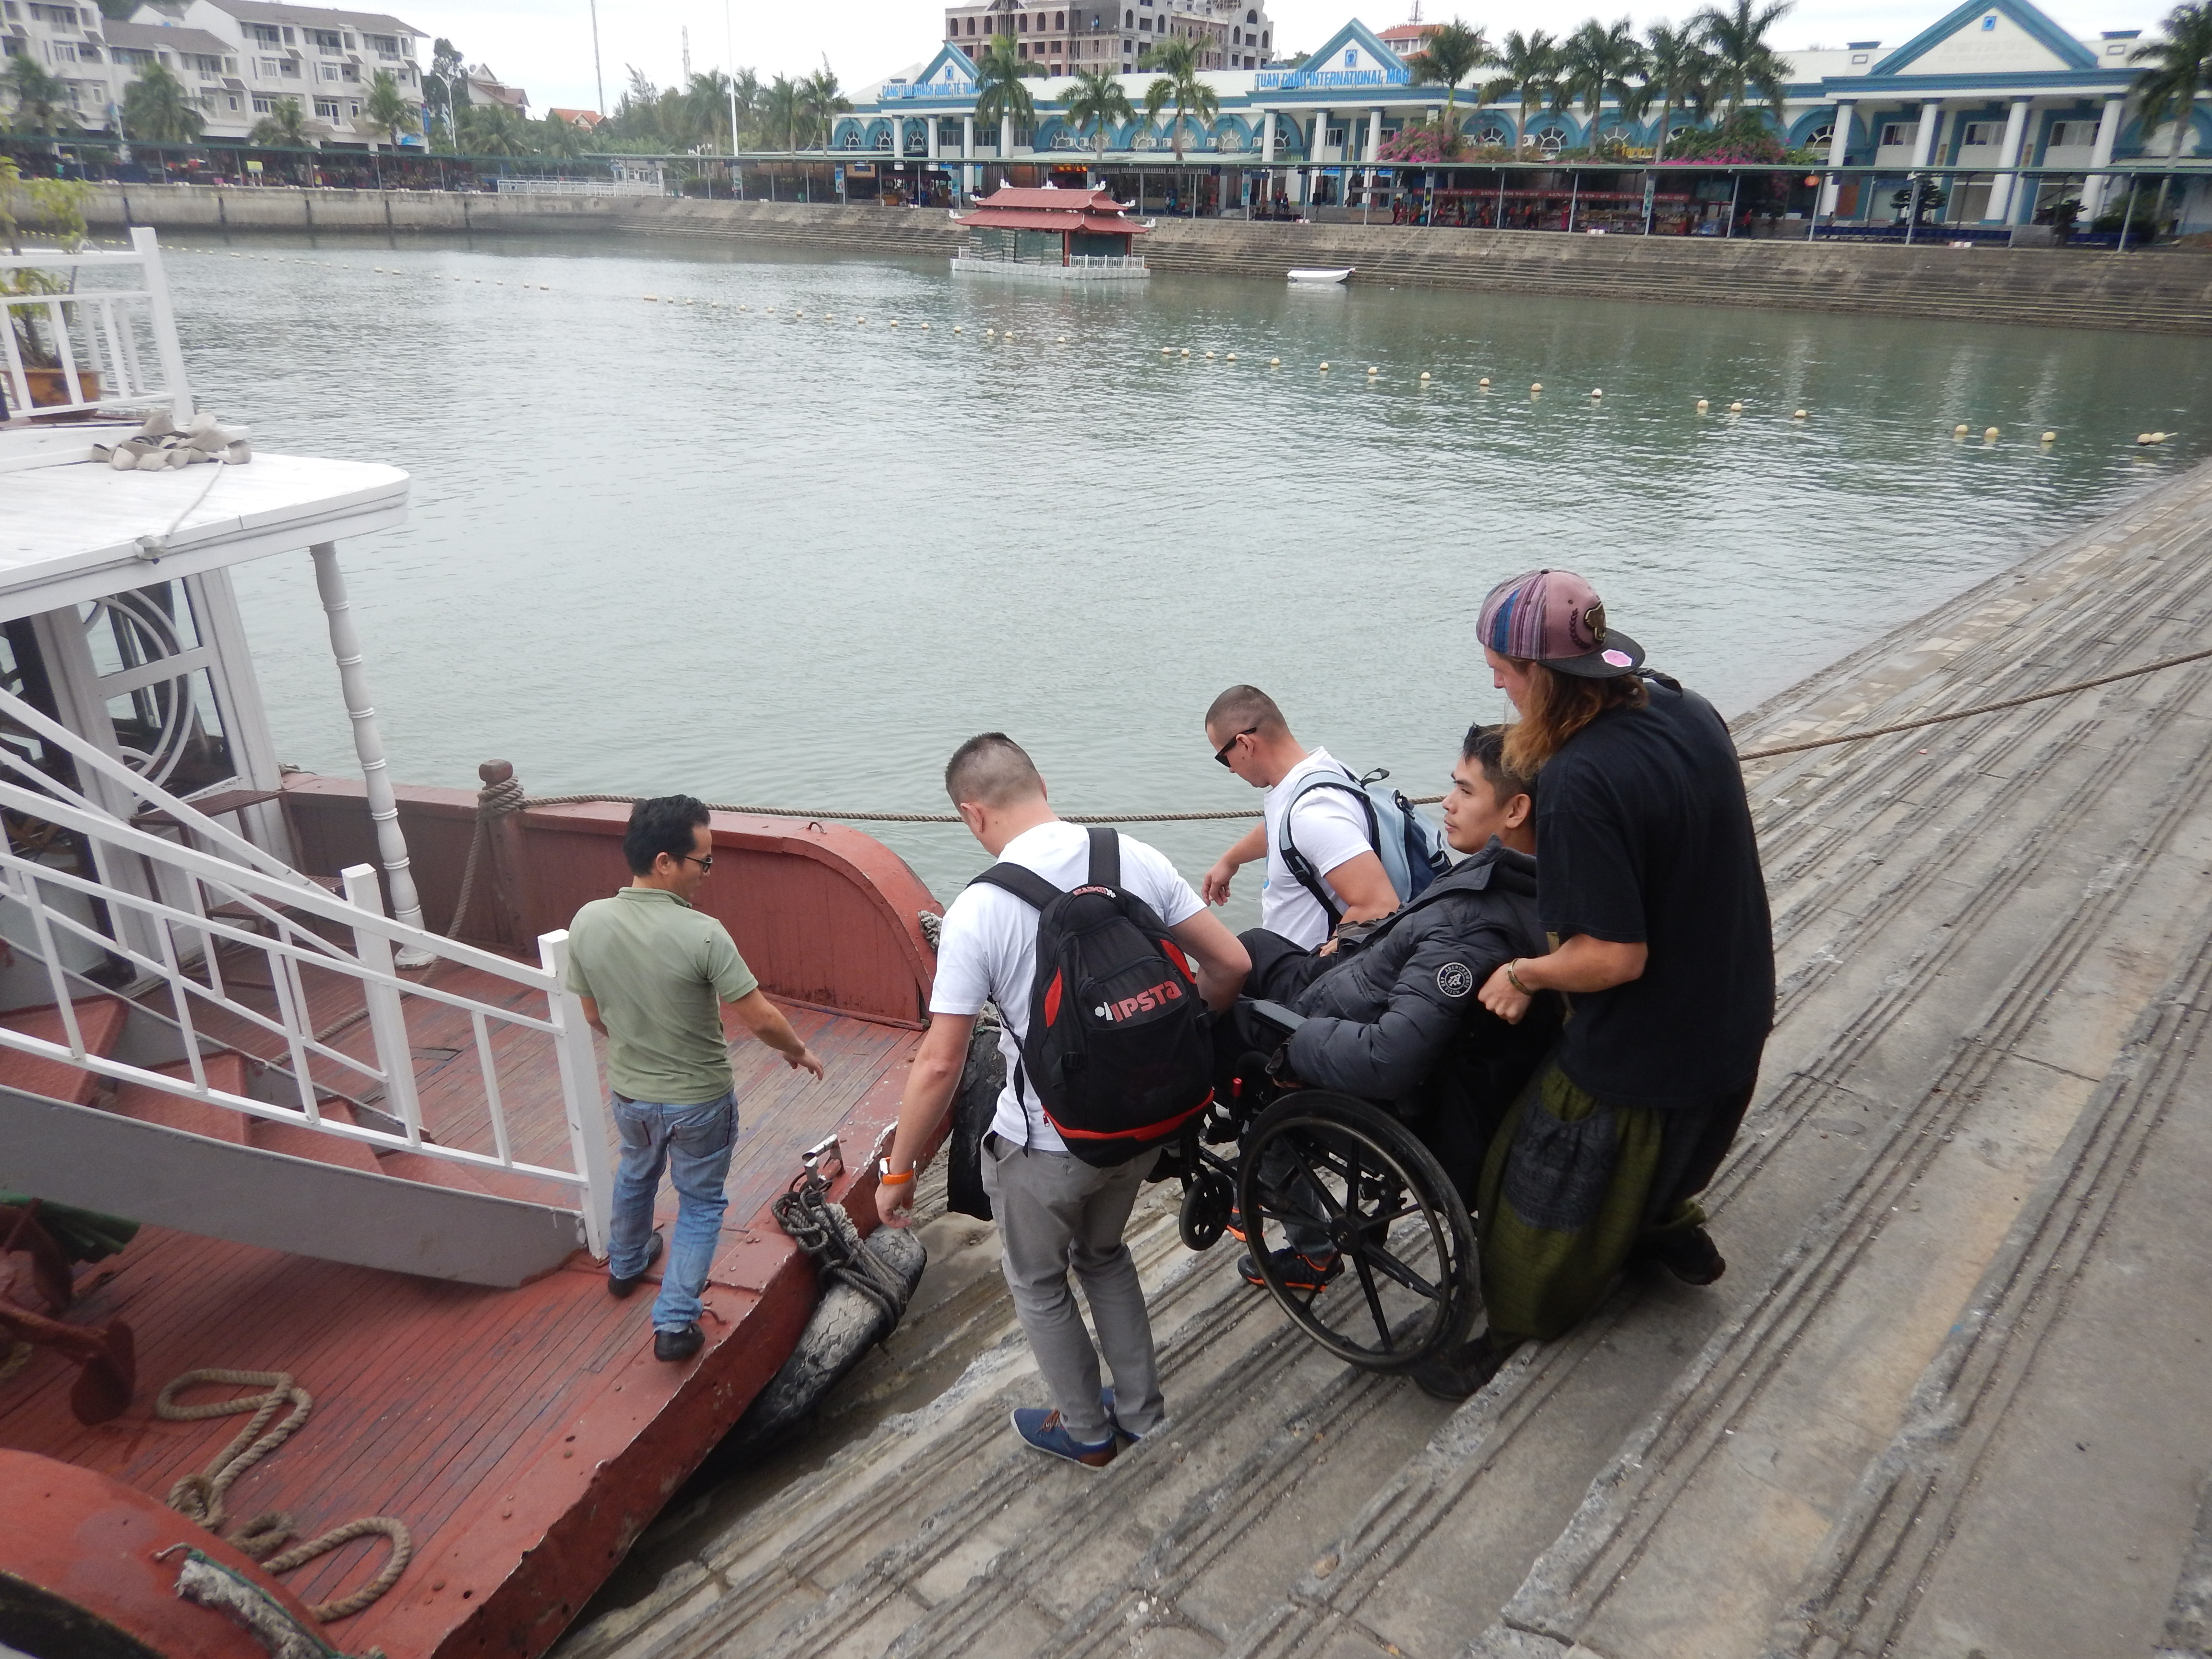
1054, 1212
1327, 826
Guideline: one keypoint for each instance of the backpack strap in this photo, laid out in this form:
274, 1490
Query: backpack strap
1105, 857
1023, 883
1300, 865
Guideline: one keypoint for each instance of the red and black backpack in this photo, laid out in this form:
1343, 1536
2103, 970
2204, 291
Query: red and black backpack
1117, 1051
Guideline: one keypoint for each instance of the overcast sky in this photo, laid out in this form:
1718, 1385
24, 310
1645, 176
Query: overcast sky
546, 47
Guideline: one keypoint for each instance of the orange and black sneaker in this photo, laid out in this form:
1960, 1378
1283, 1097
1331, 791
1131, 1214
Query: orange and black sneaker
1298, 1272
1235, 1228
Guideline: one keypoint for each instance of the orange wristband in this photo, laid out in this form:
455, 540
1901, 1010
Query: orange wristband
885, 1178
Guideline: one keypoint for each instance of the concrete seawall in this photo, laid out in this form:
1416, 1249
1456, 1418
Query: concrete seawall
2168, 291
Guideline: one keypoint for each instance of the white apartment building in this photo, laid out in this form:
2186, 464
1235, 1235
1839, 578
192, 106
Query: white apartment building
238, 57
1113, 35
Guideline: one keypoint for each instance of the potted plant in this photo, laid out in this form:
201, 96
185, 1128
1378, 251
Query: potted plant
61, 203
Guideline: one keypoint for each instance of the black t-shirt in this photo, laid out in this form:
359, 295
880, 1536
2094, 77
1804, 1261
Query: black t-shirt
1644, 837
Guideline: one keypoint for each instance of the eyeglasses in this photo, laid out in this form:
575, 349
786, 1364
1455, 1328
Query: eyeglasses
705, 863
1222, 753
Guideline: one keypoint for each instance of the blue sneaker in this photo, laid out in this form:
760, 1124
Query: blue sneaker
1043, 1429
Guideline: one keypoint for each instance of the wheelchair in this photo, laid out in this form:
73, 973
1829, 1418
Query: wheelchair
1308, 1164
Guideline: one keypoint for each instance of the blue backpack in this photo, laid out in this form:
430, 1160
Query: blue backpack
1411, 848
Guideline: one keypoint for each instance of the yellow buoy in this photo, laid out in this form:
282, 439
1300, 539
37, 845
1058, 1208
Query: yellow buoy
1485, 380
2158, 437
1597, 392
925, 328
1735, 409
1535, 385
1372, 369
1796, 414
1960, 430
1167, 351
2142, 437
1008, 335
1061, 341
2051, 437
1989, 431
860, 320
956, 328
1702, 403
650, 297
1231, 357
1186, 351
894, 322
1209, 354
1275, 362
1424, 374
1324, 365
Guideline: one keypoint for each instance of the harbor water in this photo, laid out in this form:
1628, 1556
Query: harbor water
702, 543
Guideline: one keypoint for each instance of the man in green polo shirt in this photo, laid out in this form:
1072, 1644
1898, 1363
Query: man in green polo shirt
652, 973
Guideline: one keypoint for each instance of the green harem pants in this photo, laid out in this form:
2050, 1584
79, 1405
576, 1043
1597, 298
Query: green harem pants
1571, 1186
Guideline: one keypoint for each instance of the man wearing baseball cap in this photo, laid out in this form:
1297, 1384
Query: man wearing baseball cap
1648, 885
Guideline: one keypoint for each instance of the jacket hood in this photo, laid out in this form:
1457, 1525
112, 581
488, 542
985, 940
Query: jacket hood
1495, 864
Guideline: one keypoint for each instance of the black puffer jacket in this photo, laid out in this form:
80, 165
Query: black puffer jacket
1381, 1021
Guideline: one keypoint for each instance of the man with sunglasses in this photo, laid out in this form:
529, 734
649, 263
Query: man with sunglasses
654, 973
1326, 828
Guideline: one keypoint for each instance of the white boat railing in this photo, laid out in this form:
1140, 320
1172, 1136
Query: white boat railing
111, 344
986, 255
168, 910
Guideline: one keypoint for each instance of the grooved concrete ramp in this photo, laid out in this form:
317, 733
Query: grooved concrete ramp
2162, 290
1951, 1393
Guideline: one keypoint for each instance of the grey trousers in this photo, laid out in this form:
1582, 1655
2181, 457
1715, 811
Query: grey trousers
1055, 1212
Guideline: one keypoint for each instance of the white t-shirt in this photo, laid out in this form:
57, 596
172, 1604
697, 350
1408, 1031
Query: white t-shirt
986, 949
1329, 827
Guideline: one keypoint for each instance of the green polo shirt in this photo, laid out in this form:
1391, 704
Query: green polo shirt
659, 971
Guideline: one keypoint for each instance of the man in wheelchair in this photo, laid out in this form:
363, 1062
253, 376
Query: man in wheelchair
1386, 1013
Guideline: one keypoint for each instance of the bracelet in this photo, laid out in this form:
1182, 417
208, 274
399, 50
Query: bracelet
885, 1178
1514, 979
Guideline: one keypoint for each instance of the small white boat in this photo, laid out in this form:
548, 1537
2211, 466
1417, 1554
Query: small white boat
1322, 277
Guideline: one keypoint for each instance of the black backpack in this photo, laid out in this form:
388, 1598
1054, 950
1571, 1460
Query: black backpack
1117, 1051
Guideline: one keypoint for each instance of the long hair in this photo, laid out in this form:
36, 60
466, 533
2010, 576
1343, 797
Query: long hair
1558, 706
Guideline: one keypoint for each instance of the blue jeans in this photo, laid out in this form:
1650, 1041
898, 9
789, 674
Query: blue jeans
694, 1142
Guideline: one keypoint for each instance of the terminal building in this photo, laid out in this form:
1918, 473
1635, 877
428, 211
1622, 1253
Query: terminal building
1230, 34
1991, 86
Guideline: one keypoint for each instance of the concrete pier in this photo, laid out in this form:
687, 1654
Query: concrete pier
2166, 291
1952, 1395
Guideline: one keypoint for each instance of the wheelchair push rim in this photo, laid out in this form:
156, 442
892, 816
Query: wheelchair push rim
1405, 1284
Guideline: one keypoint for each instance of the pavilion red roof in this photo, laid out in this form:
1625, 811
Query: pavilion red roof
1016, 207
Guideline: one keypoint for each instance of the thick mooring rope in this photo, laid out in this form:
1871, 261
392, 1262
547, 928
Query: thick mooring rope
2066, 690
804, 1212
200, 1496
493, 801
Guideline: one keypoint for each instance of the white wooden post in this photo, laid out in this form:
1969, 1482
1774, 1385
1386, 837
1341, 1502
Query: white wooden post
147, 246
387, 1018
2097, 185
1999, 210
581, 1095
368, 745
1839, 151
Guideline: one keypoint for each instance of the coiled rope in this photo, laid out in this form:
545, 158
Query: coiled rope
201, 1497
497, 799
2066, 690
805, 1212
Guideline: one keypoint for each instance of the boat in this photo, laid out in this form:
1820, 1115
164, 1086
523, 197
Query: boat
291, 1088
1323, 278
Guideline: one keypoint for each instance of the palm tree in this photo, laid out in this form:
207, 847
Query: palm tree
999, 94
1453, 51
1742, 62
158, 109
557, 137
41, 98
2181, 68
385, 111
1596, 62
1179, 84
1096, 100
779, 112
1531, 63
1675, 71
283, 128
821, 101
495, 129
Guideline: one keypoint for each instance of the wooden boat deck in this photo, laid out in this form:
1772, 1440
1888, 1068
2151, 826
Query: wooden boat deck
525, 1436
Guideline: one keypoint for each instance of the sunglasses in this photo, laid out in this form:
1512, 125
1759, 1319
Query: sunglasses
1222, 753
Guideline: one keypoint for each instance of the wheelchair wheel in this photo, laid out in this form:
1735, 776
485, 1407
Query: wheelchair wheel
1323, 1165
1208, 1198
